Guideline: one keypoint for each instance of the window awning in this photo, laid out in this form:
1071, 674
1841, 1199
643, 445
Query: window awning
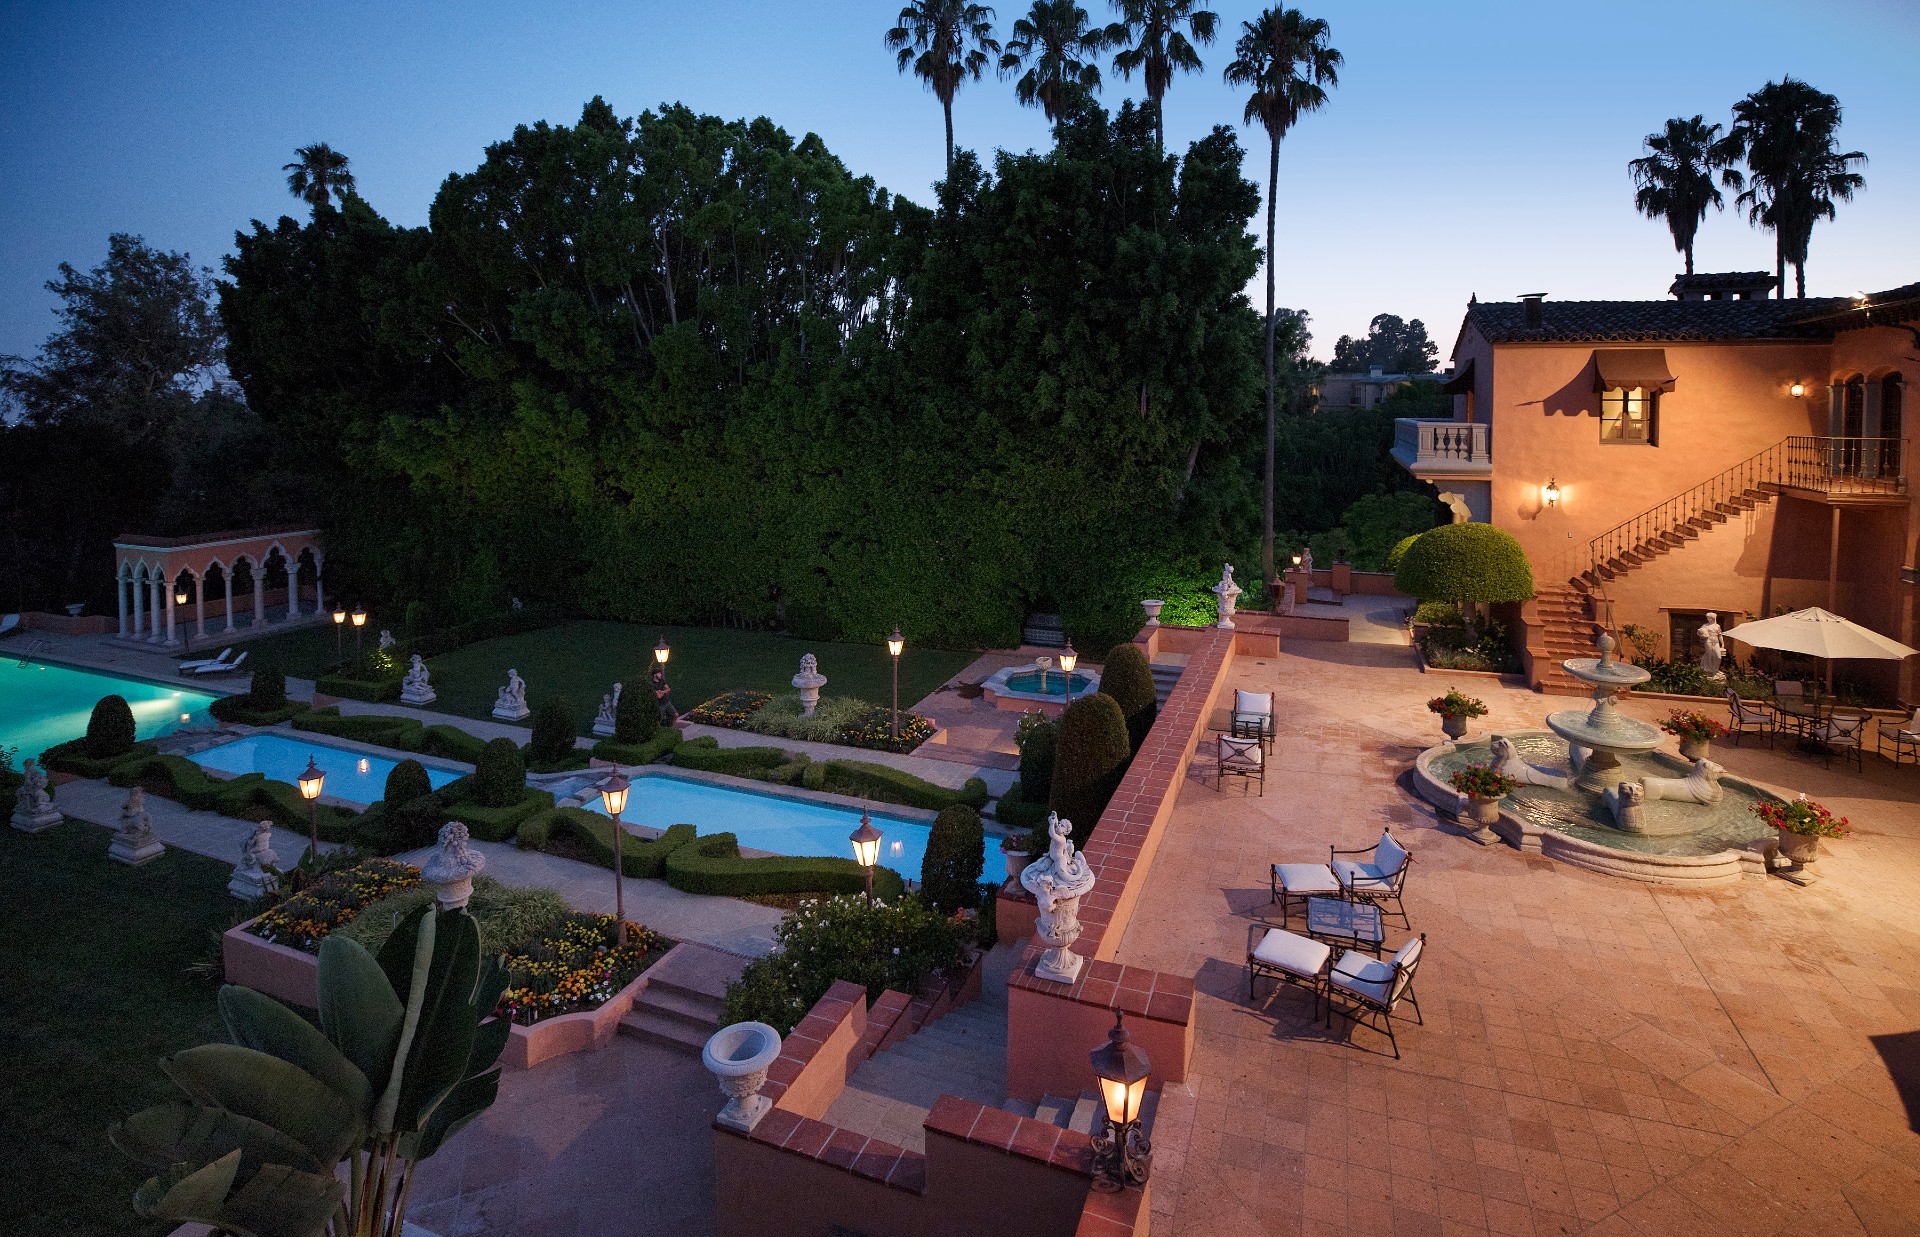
1461, 383
1626, 368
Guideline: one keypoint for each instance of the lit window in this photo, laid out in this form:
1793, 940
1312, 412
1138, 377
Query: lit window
1627, 414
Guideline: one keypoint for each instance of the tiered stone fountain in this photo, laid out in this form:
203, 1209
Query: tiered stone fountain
1597, 737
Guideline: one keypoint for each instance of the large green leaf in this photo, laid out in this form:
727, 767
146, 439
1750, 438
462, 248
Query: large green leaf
255, 1020
160, 1137
437, 1056
466, 1101
419, 974
183, 1194
278, 1201
359, 1011
489, 1041
396, 955
269, 1090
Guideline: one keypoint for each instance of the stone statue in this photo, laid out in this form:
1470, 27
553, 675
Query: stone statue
663, 695
1716, 646
1700, 786
511, 704
603, 721
386, 639
417, 688
1306, 567
1057, 881
33, 808
809, 681
451, 867
1228, 594
253, 876
1507, 760
1628, 803
135, 842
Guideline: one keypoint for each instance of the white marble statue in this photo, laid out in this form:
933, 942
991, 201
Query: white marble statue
253, 876
1057, 881
1700, 786
417, 688
1228, 595
1306, 566
33, 808
1628, 803
451, 867
135, 842
386, 638
1506, 760
511, 704
603, 721
809, 681
1716, 646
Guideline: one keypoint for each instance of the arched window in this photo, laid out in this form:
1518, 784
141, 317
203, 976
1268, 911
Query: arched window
1892, 425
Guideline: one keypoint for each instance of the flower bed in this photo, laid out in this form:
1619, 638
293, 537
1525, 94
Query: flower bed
835, 719
577, 965
728, 709
304, 920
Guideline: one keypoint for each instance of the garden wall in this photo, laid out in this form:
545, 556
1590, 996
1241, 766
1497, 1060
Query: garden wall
67, 625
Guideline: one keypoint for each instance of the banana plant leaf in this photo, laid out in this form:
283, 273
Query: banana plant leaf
277, 1201
466, 1101
255, 1020
359, 1011
160, 1137
269, 1090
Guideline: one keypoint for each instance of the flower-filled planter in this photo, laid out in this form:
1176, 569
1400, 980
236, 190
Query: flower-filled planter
1017, 847
1695, 730
1484, 787
1802, 823
1454, 709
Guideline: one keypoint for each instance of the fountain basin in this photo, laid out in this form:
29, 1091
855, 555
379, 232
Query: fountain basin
1023, 688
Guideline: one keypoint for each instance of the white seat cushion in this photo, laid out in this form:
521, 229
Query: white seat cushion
1361, 876
1305, 879
1296, 955
1252, 704
1362, 976
1389, 856
1241, 752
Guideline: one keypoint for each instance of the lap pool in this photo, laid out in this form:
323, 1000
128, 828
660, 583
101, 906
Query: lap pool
780, 823
41, 705
351, 776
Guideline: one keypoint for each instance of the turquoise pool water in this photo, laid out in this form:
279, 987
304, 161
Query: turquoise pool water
783, 825
350, 775
41, 705
1052, 683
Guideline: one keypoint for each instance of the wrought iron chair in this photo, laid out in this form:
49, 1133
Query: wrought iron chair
1381, 877
1253, 717
1905, 743
1296, 882
1372, 988
1788, 687
1289, 958
1241, 758
1751, 717
1842, 734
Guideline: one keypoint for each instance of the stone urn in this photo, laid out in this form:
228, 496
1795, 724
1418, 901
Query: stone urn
739, 1055
1017, 861
1226, 595
1485, 814
1800, 849
1058, 880
809, 682
1699, 749
1453, 725
1152, 606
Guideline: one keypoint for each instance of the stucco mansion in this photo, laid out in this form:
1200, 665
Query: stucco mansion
1717, 450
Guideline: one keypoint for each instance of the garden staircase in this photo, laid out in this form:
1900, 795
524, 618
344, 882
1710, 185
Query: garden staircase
1165, 677
684, 998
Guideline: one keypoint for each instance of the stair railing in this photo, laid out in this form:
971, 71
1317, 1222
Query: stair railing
1663, 518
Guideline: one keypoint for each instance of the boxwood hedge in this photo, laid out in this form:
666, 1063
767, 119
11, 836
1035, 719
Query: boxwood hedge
713, 865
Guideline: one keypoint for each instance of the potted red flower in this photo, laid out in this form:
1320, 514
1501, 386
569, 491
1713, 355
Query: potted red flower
1695, 730
1802, 823
1017, 849
1454, 709
1484, 786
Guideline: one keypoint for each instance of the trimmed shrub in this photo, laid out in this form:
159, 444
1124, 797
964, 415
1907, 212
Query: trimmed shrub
708, 756
535, 831
1399, 551
267, 689
646, 753
110, 730
554, 730
890, 785
713, 865
451, 743
251, 796
238, 710
593, 833
1038, 738
636, 718
951, 869
1093, 757
407, 782
416, 619
1465, 562
1128, 678
71, 757
373, 691
493, 823
1017, 813
898, 945
499, 775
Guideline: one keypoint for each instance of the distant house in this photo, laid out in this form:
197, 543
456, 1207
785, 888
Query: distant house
1714, 451
1363, 390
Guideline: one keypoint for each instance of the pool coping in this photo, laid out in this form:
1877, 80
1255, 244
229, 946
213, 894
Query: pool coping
134, 675
727, 781
285, 730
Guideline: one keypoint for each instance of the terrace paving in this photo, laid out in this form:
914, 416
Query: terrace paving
1599, 1055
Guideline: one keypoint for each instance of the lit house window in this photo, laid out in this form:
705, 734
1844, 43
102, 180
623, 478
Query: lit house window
1627, 415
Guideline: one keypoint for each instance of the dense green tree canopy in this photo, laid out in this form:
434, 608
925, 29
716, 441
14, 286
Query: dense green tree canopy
1465, 562
1393, 344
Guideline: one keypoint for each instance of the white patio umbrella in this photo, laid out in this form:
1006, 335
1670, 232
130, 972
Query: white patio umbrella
1819, 633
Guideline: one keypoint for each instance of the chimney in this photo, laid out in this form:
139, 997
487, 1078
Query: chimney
1532, 301
1376, 371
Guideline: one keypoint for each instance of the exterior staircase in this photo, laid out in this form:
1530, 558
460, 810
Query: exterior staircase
684, 998
1164, 678
1565, 628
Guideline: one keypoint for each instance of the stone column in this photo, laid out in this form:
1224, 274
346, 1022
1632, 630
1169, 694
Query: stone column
160, 597
200, 603
293, 589
259, 595
171, 587
134, 609
319, 586
120, 597
226, 577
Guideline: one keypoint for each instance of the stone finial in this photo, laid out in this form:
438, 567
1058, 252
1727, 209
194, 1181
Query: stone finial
253, 876
135, 841
809, 681
1227, 594
451, 867
33, 808
1057, 881
739, 1056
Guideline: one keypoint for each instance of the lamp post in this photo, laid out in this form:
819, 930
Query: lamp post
866, 849
310, 783
894, 645
1068, 660
1121, 1156
660, 689
359, 621
613, 796
339, 632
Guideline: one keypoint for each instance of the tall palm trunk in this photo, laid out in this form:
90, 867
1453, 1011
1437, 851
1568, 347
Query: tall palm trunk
1689, 252
1266, 528
1800, 280
946, 105
1779, 268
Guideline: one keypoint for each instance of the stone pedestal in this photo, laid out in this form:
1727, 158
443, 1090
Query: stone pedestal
136, 847
1057, 881
424, 694
247, 886
452, 867
252, 877
33, 808
1227, 595
809, 682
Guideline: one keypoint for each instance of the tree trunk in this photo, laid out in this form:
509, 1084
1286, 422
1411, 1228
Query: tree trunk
1779, 268
946, 105
1800, 280
1689, 252
1266, 524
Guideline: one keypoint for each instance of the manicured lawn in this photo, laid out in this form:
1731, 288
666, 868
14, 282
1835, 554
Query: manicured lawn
95, 956
583, 660
304, 652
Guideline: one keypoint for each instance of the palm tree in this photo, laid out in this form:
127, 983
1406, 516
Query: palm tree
1786, 132
944, 42
1675, 182
319, 172
1284, 57
1055, 36
1151, 44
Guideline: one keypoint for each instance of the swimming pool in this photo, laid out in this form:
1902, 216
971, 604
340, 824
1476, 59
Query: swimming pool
41, 705
351, 776
780, 823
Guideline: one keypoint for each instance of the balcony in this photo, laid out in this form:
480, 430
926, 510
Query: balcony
1442, 450
1843, 471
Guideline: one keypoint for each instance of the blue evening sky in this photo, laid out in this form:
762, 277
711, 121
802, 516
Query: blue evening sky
1478, 146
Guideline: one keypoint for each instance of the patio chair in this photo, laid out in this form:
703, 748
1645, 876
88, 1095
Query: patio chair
1371, 988
1253, 717
1379, 878
1750, 717
1296, 882
1240, 758
1842, 733
197, 663
1289, 958
1789, 687
220, 667
10, 625
1904, 742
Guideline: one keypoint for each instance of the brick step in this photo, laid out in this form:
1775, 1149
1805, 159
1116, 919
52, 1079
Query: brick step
672, 1032
696, 1009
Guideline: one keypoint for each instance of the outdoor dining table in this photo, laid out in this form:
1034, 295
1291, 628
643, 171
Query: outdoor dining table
1804, 717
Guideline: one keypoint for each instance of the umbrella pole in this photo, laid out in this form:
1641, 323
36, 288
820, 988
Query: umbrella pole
1829, 662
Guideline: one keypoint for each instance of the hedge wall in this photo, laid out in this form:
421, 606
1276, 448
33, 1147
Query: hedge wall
593, 833
713, 865
251, 796
890, 785
71, 757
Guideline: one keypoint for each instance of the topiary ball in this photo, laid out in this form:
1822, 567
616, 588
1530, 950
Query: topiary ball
500, 775
1399, 551
1036, 760
110, 730
407, 782
1092, 758
1465, 562
1128, 678
951, 869
554, 731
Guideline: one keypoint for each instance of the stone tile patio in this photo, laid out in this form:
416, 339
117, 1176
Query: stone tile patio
1598, 1056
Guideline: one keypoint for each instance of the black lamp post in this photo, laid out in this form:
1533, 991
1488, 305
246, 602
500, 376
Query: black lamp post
310, 783
359, 621
866, 849
613, 796
894, 644
339, 632
1068, 660
1121, 1156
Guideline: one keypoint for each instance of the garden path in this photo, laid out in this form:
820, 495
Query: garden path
202, 833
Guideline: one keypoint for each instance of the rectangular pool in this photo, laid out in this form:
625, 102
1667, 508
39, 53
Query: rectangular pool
41, 705
782, 824
351, 776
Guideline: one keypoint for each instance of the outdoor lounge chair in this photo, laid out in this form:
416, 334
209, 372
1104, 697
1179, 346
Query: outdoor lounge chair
196, 664
1379, 878
1289, 958
1240, 758
216, 667
1905, 743
1750, 717
1253, 717
1296, 882
1842, 734
1371, 988
10, 625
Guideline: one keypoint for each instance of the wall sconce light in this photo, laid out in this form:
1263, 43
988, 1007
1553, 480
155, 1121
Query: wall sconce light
1551, 493
1797, 390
